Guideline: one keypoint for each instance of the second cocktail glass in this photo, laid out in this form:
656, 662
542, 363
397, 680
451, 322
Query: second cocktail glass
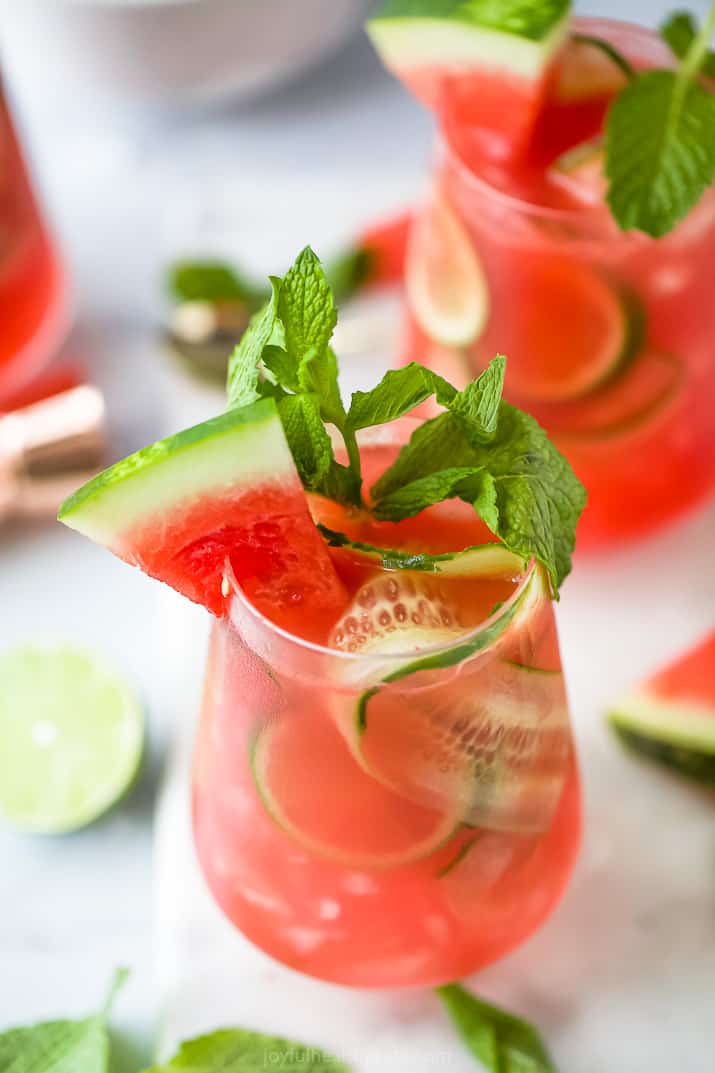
609, 335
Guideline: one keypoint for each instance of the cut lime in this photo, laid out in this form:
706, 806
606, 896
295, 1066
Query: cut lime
446, 286
316, 793
580, 172
72, 735
586, 71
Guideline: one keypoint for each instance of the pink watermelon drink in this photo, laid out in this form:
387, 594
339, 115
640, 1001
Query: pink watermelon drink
345, 836
32, 290
609, 333
385, 790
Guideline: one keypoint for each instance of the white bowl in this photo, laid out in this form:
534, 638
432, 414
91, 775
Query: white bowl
169, 51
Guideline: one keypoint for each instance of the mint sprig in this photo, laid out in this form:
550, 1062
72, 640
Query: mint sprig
479, 449
660, 140
679, 32
61, 1046
502, 1042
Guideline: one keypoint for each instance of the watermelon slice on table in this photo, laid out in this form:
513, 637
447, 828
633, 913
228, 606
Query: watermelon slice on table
480, 64
223, 490
670, 718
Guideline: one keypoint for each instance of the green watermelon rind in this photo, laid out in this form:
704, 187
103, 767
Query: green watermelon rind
452, 34
680, 737
245, 445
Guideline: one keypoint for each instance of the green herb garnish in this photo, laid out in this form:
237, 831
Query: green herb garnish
502, 1042
660, 137
679, 31
61, 1046
480, 449
237, 1050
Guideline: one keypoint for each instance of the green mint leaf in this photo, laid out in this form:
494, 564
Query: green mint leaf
212, 281
281, 367
660, 143
679, 31
244, 365
237, 1050
463, 482
477, 406
435, 445
306, 307
307, 438
318, 372
534, 500
502, 1042
61, 1046
522, 18
399, 391
342, 484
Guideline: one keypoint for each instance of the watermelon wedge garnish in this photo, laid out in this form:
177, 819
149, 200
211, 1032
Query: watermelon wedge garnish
670, 718
481, 64
224, 490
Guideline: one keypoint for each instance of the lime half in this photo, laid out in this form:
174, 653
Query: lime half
72, 734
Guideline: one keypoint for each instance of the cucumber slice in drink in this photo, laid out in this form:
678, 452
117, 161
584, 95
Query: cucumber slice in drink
72, 734
325, 803
446, 285
481, 560
490, 746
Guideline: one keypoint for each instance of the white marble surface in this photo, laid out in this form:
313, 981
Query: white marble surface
625, 969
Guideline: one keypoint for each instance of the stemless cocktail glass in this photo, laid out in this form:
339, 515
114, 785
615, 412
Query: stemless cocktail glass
387, 818
610, 336
33, 304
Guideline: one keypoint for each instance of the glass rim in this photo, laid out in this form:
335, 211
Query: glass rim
369, 659
590, 222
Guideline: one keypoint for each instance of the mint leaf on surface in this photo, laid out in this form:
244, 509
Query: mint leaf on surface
212, 281
240, 1051
245, 363
399, 391
502, 1042
660, 151
306, 307
61, 1046
679, 31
